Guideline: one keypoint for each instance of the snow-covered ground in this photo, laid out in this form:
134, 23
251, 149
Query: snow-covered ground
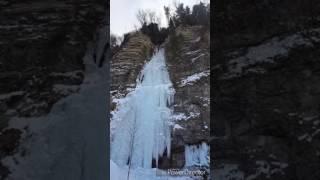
121, 173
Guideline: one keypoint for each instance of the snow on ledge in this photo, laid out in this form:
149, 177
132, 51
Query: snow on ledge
195, 58
190, 80
9, 95
193, 52
196, 40
268, 169
268, 51
65, 89
177, 126
71, 74
182, 116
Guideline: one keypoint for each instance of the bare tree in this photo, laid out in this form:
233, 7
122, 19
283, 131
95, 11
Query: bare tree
147, 17
142, 17
167, 13
158, 20
113, 40
151, 16
136, 28
176, 3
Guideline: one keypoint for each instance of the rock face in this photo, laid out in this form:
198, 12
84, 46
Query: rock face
127, 63
266, 90
42, 48
188, 61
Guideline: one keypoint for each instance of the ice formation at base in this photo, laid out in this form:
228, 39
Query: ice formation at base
121, 173
197, 155
142, 130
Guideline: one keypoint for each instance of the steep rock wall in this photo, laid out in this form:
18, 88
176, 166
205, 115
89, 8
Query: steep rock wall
188, 60
266, 90
127, 63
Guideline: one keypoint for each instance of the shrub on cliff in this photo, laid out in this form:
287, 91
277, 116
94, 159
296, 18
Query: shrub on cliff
174, 45
156, 34
200, 15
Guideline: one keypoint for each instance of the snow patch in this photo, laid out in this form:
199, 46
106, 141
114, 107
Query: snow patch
72, 74
268, 169
182, 116
177, 126
228, 171
190, 80
195, 58
193, 52
10, 95
65, 89
196, 40
177, 117
267, 52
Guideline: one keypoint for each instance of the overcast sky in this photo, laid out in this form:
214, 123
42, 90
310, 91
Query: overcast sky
123, 12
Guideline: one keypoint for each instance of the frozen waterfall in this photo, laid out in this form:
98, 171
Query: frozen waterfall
142, 130
197, 155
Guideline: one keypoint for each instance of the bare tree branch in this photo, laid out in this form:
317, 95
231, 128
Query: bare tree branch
142, 16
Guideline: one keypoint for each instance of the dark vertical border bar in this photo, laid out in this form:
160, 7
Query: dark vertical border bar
108, 60
212, 102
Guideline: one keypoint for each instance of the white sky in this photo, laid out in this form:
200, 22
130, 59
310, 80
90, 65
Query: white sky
123, 12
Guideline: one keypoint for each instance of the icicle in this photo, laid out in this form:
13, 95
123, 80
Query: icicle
148, 131
197, 155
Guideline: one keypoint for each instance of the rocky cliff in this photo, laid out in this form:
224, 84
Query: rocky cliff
266, 90
41, 58
187, 59
127, 63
